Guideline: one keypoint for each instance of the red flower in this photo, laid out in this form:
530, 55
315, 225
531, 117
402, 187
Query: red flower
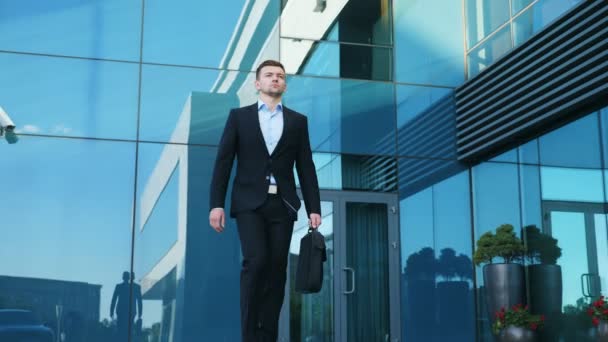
542, 318
590, 311
595, 321
533, 326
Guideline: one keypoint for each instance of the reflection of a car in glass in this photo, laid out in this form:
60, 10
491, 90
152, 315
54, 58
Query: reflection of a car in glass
22, 325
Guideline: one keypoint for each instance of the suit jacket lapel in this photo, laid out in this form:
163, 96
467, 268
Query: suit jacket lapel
253, 109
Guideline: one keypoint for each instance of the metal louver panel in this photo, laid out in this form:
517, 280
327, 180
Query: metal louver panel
556, 76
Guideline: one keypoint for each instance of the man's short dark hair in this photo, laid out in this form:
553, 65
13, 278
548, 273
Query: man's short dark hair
268, 62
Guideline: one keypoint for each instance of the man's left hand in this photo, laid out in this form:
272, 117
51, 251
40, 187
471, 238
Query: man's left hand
314, 221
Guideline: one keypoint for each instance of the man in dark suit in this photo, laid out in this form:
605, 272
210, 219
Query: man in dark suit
125, 312
268, 139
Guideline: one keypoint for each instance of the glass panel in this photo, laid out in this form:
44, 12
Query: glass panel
345, 115
307, 57
70, 233
574, 145
184, 105
561, 184
601, 241
367, 255
518, 5
70, 97
489, 51
483, 17
454, 302
508, 157
98, 29
530, 195
426, 119
418, 263
311, 316
186, 270
528, 153
354, 172
231, 34
495, 203
437, 285
353, 21
429, 42
569, 229
538, 16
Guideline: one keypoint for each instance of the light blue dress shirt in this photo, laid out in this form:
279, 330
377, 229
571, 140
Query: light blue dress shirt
271, 124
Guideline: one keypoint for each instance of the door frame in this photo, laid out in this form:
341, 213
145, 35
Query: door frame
588, 209
339, 198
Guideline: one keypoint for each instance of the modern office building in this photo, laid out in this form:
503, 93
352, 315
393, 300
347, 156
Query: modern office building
432, 122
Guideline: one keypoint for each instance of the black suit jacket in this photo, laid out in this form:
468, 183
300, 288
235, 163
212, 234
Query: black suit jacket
243, 138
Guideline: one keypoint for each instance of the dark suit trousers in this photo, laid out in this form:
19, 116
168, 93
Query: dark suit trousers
265, 235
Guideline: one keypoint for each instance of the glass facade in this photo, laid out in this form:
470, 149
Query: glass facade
119, 107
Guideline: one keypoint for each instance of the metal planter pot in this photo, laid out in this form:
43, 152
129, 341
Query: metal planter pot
545, 284
516, 334
504, 286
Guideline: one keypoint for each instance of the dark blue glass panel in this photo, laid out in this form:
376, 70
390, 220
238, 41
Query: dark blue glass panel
574, 145
97, 28
70, 232
189, 274
70, 97
429, 42
230, 34
345, 116
308, 57
426, 121
489, 51
353, 21
483, 17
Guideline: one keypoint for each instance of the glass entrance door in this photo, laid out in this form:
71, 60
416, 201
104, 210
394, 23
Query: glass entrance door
360, 296
581, 233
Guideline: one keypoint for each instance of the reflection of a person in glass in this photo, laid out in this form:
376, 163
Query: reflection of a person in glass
267, 139
120, 302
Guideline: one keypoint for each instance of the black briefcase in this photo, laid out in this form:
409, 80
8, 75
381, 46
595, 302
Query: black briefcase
309, 274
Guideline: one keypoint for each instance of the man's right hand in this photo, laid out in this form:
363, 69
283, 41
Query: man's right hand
217, 219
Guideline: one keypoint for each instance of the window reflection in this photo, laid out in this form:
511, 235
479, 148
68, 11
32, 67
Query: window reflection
241, 33
489, 51
604, 130
576, 144
70, 97
97, 29
564, 184
185, 269
348, 116
354, 21
306, 57
437, 270
483, 17
72, 201
535, 18
429, 42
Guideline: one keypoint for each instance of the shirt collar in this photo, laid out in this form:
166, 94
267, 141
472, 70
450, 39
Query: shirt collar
262, 105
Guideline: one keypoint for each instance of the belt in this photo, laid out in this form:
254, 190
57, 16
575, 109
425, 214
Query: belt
273, 189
